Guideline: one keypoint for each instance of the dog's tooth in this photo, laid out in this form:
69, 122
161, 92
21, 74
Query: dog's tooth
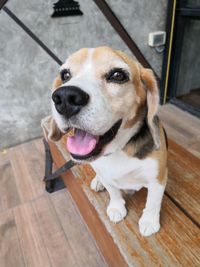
71, 132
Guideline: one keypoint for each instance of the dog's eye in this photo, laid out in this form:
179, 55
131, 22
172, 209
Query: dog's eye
117, 76
65, 75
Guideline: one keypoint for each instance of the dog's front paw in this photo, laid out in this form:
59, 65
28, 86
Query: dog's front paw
149, 225
96, 185
116, 212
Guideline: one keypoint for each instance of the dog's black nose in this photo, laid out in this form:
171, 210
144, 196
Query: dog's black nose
69, 100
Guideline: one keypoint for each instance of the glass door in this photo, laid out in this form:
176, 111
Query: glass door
184, 82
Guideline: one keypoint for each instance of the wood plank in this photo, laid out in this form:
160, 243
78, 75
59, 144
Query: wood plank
194, 148
9, 196
42, 236
34, 251
178, 240
180, 120
183, 184
10, 251
58, 247
40, 147
181, 126
81, 241
104, 240
177, 243
35, 164
177, 136
25, 184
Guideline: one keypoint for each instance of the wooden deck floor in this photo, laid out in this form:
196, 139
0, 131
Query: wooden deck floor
41, 229
181, 127
38, 229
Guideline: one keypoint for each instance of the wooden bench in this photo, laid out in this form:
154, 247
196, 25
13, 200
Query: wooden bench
178, 241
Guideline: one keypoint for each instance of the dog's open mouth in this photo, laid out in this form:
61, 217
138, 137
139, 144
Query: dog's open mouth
83, 145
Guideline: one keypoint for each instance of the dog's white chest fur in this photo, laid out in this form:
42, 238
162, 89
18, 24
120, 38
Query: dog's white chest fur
124, 172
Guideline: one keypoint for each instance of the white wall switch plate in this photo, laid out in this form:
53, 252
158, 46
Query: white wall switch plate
157, 38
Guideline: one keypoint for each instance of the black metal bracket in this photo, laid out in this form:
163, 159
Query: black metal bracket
50, 178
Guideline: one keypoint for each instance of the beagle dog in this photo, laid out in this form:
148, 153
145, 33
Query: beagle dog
111, 102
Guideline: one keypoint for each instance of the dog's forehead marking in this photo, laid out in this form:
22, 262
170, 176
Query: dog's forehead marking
76, 61
87, 66
80, 62
78, 57
87, 60
107, 58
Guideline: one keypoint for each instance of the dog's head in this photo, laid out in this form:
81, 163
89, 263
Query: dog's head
105, 96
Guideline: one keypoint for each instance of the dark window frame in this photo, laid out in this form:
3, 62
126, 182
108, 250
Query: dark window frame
183, 13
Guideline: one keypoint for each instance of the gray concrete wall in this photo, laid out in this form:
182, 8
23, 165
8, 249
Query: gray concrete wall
27, 71
140, 17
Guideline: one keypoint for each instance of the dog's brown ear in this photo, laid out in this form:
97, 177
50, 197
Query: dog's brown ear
55, 133
50, 129
48, 124
151, 88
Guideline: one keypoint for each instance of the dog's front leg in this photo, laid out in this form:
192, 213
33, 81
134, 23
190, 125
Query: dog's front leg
96, 185
116, 209
149, 222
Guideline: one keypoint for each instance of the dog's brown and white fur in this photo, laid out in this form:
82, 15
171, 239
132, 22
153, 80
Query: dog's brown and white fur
137, 156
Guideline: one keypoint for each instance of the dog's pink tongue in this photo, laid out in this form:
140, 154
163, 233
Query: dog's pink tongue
82, 143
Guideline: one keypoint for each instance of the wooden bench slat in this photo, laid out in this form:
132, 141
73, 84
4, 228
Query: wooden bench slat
177, 243
103, 239
184, 179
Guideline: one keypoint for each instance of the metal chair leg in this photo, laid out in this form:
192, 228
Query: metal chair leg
49, 184
53, 182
